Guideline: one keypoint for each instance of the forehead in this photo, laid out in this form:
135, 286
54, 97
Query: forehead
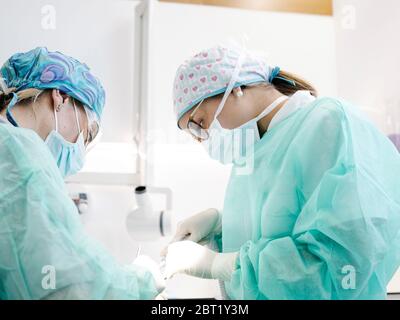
207, 105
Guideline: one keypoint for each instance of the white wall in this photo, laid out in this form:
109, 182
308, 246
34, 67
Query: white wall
368, 61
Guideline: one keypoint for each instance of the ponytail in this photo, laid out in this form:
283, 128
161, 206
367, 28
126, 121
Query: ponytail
288, 83
23, 95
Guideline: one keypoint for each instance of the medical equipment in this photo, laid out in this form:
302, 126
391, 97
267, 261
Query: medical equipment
81, 201
146, 224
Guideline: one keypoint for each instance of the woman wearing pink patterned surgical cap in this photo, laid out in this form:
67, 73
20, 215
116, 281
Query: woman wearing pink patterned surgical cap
312, 208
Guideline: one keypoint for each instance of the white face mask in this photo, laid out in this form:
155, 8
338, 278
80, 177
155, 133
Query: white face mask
230, 145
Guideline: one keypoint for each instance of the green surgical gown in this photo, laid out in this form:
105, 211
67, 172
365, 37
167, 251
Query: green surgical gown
44, 251
319, 215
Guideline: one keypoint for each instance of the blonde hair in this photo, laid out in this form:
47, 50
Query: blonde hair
31, 94
287, 83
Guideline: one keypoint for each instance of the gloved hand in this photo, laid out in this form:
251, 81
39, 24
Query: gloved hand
198, 227
193, 259
151, 266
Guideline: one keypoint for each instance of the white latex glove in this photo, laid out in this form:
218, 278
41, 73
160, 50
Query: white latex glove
193, 259
198, 227
151, 266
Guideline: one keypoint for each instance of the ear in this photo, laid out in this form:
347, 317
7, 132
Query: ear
238, 92
59, 99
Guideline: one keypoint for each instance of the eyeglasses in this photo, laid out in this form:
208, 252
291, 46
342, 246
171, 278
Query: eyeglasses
195, 128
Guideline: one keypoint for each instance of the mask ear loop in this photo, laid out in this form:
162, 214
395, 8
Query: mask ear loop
76, 116
231, 84
55, 118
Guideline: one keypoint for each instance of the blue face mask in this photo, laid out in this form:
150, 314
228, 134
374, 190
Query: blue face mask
70, 157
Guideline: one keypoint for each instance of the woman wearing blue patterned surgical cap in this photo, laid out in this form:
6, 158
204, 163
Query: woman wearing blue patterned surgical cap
50, 111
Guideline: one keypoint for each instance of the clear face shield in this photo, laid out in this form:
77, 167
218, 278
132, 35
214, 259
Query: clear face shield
94, 132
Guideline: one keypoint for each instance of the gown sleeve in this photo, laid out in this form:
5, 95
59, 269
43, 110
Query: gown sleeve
45, 252
345, 241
